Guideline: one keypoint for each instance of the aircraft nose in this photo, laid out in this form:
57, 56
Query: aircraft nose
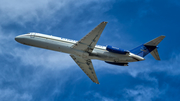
17, 38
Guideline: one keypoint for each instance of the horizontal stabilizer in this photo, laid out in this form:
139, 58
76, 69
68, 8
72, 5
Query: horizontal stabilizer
155, 41
155, 54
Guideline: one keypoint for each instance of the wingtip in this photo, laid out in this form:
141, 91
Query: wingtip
163, 36
104, 22
96, 82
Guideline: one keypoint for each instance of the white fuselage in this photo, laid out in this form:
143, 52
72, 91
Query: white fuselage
64, 45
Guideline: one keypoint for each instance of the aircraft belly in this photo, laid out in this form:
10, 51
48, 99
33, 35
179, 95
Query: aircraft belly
65, 47
111, 57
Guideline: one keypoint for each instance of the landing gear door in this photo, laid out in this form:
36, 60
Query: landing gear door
33, 35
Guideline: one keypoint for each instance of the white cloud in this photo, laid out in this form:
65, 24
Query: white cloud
145, 92
102, 98
142, 93
13, 95
98, 96
40, 57
27, 10
22, 11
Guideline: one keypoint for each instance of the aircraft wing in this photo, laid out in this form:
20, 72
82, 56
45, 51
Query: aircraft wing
88, 42
87, 67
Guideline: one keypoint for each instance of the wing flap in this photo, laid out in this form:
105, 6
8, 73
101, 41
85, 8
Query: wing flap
87, 67
88, 42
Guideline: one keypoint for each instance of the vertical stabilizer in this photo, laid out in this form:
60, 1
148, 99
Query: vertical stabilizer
149, 47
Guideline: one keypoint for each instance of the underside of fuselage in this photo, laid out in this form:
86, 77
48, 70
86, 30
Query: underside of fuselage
65, 47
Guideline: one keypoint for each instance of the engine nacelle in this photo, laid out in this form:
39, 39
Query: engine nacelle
116, 50
119, 64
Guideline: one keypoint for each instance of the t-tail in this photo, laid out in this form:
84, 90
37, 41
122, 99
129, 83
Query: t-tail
149, 47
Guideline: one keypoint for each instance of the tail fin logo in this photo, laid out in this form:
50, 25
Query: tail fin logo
143, 49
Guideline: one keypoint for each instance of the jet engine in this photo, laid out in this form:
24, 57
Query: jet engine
116, 63
116, 50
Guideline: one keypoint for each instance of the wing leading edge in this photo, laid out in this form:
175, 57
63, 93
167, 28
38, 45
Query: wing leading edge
88, 42
87, 67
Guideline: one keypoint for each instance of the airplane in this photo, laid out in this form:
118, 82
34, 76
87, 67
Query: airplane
84, 50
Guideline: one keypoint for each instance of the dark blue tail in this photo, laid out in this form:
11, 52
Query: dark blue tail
149, 47
143, 50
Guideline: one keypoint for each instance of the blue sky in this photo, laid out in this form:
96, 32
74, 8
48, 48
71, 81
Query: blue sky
34, 74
